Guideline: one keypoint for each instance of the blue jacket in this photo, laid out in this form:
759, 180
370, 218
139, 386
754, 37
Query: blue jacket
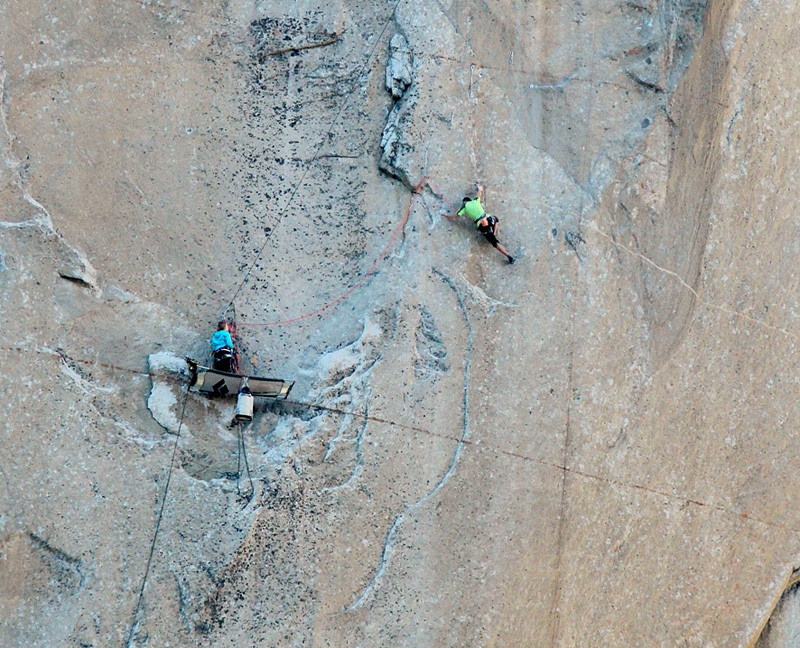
221, 340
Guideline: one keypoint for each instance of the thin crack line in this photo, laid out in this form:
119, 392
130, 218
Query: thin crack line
555, 607
359, 463
13, 163
584, 177
297, 48
339, 431
682, 281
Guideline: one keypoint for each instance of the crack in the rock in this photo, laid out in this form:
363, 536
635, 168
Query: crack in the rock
572, 238
297, 48
647, 85
557, 581
556, 85
73, 564
77, 280
336, 156
359, 463
43, 220
182, 602
72, 369
682, 281
736, 114
389, 541
75, 264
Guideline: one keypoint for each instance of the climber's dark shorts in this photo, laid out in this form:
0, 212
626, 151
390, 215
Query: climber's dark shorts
487, 232
223, 360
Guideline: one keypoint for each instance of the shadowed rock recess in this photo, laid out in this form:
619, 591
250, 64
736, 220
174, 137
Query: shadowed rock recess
595, 446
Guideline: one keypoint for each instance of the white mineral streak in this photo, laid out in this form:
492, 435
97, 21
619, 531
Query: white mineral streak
162, 405
167, 362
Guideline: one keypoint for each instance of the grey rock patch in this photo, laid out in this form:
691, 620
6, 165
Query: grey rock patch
400, 68
783, 626
398, 158
341, 391
166, 362
115, 293
431, 354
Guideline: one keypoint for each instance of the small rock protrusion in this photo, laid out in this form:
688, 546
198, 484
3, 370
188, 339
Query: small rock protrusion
74, 265
574, 239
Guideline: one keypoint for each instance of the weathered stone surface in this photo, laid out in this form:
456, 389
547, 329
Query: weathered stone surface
400, 68
592, 447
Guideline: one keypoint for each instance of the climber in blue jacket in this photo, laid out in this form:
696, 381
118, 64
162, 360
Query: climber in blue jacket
222, 346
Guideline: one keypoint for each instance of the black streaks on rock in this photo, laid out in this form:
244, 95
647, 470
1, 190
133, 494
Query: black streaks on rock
265, 589
31, 563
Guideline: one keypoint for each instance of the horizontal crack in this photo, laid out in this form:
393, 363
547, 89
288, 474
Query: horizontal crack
298, 48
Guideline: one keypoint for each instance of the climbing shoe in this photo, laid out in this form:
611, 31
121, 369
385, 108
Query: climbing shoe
510, 260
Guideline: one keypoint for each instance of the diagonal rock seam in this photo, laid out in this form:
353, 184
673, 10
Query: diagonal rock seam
62, 557
790, 584
389, 541
694, 291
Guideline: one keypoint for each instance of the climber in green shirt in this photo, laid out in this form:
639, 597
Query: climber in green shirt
486, 224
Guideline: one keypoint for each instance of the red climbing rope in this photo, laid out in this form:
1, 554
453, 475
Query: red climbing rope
426, 181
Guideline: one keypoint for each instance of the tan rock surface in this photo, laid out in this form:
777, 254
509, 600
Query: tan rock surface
592, 447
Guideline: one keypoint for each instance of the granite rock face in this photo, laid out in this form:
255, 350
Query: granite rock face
595, 446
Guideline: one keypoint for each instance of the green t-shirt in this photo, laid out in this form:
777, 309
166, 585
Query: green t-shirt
473, 209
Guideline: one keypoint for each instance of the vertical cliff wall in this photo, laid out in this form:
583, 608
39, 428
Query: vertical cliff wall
593, 446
